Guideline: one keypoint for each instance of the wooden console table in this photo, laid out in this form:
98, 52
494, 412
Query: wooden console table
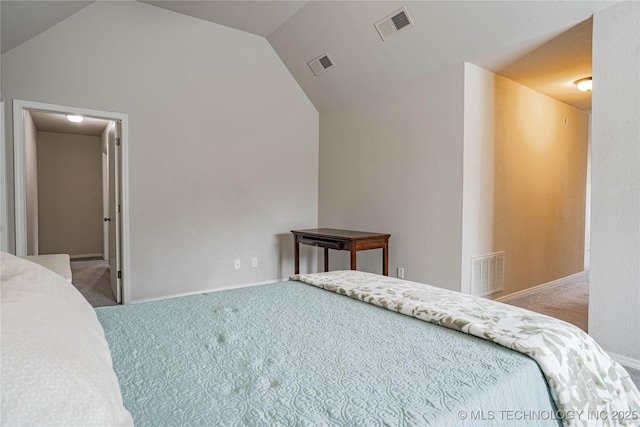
341, 240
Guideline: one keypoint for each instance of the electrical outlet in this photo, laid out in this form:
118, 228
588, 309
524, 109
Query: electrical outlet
237, 264
400, 273
254, 262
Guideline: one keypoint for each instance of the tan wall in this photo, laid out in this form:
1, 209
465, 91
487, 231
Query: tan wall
70, 193
539, 186
524, 181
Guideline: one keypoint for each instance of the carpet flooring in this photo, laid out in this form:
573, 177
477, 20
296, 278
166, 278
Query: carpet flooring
568, 301
92, 279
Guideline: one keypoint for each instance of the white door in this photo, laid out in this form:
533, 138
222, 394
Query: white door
105, 193
113, 219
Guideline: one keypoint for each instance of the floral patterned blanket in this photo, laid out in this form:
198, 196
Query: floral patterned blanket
588, 387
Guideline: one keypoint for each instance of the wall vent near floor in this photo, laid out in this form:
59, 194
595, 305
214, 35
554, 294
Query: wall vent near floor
393, 23
487, 274
321, 64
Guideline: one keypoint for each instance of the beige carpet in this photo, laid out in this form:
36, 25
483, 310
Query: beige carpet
568, 301
92, 279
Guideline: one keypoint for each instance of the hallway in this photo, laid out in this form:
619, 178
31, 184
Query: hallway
91, 278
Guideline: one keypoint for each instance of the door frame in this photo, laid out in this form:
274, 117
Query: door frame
19, 167
4, 211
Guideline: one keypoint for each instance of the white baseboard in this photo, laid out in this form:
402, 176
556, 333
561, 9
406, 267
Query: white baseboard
540, 287
625, 361
205, 291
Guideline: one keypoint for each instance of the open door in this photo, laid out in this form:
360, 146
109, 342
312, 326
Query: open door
118, 176
114, 219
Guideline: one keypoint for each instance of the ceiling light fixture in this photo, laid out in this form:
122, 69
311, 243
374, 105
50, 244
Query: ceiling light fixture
584, 85
74, 118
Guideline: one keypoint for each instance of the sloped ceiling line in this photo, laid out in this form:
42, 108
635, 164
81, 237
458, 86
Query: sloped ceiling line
550, 40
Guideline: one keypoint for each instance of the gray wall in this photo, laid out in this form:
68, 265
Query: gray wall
410, 160
614, 302
189, 181
223, 143
70, 194
392, 163
368, 179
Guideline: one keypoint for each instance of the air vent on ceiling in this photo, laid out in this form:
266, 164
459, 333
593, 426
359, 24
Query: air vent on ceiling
321, 64
393, 23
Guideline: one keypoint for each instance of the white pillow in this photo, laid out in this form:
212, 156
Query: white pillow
56, 366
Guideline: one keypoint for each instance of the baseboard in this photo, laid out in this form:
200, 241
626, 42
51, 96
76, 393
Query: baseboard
625, 361
205, 291
525, 292
86, 256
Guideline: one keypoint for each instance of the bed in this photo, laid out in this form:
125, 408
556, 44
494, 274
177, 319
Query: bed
58, 263
329, 349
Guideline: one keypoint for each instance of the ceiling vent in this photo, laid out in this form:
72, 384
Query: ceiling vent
393, 23
321, 64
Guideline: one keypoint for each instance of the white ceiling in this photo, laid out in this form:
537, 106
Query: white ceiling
444, 32
54, 122
544, 45
553, 67
257, 17
22, 20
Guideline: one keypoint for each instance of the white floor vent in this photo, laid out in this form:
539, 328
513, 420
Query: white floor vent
393, 23
321, 64
487, 274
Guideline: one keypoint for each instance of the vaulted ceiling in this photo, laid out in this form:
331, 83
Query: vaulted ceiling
543, 45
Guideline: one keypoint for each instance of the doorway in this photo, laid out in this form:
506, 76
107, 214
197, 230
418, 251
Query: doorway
108, 216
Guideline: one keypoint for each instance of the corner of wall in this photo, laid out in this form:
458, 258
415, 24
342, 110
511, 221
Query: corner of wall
615, 223
479, 137
509, 204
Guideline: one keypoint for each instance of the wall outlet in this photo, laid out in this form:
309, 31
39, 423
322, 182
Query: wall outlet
400, 273
254, 262
237, 264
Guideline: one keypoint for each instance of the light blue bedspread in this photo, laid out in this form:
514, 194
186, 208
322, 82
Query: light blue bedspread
292, 354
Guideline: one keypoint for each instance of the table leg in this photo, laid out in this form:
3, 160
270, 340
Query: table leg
385, 260
296, 255
326, 259
353, 259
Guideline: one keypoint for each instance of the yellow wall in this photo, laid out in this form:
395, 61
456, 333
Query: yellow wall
540, 186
